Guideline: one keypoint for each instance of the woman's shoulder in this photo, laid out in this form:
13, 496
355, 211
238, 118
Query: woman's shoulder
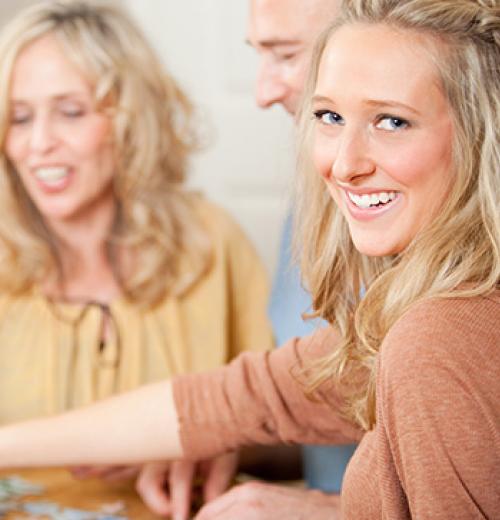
210, 211
437, 405
442, 310
29, 303
441, 331
222, 227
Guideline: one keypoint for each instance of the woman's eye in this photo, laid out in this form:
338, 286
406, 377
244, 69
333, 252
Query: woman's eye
391, 123
328, 117
72, 112
19, 117
19, 120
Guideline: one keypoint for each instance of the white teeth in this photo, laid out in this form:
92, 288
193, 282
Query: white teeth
373, 199
384, 197
51, 174
365, 201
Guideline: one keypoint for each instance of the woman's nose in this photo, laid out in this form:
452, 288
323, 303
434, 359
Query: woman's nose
353, 157
43, 135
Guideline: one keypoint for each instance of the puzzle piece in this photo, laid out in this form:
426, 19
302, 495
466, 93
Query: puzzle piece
14, 487
40, 508
113, 508
55, 512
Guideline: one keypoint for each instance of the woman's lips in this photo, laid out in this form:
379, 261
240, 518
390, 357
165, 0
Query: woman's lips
370, 205
53, 179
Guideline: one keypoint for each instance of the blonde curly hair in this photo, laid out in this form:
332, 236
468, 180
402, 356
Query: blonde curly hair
152, 137
458, 254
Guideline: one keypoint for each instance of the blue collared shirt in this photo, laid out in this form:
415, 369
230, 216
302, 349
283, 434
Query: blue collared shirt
324, 466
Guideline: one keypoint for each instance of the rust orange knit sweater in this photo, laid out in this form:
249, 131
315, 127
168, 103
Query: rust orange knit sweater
435, 450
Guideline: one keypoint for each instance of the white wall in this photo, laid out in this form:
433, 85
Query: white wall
9, 7
249, 164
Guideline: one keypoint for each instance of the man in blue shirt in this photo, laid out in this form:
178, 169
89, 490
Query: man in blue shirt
282, 32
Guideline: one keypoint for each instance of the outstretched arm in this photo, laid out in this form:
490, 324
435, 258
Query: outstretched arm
254, 400
129, 428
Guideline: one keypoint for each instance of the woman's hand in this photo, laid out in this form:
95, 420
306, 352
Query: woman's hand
166, 487
260, 501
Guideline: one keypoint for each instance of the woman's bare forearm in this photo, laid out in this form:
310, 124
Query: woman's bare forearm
134, 427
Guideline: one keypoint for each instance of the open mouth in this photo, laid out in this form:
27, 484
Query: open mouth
372, 200
52, 176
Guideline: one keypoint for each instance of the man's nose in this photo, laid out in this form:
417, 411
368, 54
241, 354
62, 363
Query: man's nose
270, 87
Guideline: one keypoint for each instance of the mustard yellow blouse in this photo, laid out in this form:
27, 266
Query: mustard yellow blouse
50, 353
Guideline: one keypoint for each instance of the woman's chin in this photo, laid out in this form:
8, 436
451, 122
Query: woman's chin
375, 248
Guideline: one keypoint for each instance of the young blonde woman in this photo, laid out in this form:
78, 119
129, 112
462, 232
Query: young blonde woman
112, 273
401, 188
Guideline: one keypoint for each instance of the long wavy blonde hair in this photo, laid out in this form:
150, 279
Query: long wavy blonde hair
152, 137
458, 254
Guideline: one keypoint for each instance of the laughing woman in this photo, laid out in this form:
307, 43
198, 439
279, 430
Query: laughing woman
112, 273
400, 195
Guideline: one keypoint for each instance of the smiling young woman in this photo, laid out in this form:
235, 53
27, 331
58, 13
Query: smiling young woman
399, 197
417, 131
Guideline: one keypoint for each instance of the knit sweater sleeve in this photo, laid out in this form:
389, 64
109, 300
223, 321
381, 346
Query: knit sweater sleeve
256, 399
438, 413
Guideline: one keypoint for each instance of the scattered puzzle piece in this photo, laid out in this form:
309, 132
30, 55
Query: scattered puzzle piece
13, 488
55, 512
113, 508
40, 508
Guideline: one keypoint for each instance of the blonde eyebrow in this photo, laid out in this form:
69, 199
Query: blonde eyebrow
55, 97
389, 103
321, 99
379, 103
